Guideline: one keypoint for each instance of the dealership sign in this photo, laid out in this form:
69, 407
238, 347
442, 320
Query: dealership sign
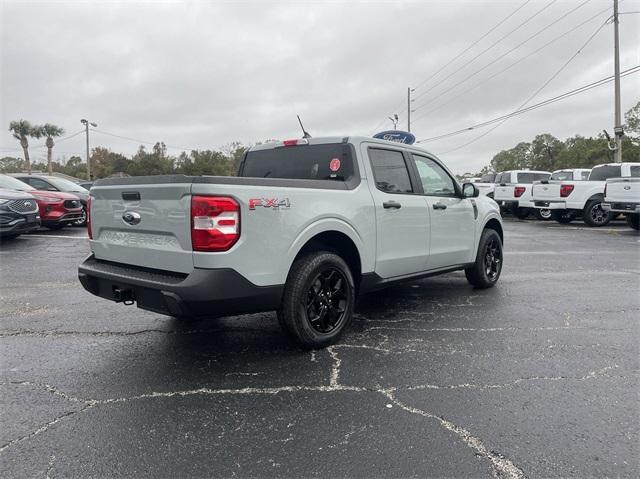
397, 136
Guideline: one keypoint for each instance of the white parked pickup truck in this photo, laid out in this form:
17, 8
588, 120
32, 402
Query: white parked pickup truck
305, 226
513, 191
622, 195
569, 199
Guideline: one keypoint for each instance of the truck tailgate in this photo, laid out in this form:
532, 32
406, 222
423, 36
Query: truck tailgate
144, 225
543, 191
623, 190
504, 193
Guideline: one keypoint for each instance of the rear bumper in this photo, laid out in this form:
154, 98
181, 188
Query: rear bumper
621, 207
550, 205
203, 292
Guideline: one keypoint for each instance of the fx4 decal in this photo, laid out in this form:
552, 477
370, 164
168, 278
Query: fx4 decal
275, 203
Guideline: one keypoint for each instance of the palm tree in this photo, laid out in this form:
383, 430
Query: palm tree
50, 131
22, 130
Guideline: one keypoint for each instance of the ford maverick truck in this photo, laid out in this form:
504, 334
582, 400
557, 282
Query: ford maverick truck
306, 226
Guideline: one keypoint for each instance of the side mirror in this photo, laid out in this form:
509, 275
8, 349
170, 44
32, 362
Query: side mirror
469, 190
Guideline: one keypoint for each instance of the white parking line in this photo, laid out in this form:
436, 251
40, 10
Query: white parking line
55, 236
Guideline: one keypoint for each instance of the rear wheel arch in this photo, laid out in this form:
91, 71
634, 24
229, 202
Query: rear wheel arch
597, 196
338, 243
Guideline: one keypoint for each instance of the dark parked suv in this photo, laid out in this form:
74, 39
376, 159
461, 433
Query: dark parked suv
55, 183
18, 213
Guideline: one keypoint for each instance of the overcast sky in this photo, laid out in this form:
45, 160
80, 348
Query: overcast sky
199, 74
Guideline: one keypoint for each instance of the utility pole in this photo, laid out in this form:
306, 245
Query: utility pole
617, 128
86, 124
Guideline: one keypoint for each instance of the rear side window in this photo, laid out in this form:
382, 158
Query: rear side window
562, 175
390, 171
585, 175
635, 171
304, 162
601, 173
528, 178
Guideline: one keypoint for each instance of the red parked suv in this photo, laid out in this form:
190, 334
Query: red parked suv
57, 209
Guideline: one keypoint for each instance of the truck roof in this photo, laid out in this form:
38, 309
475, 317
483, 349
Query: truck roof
339, 139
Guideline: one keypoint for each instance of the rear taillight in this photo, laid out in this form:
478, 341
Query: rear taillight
89, 230
518, 190
215, 223
565, 190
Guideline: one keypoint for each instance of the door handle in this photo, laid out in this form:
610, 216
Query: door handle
439, 206
391, 204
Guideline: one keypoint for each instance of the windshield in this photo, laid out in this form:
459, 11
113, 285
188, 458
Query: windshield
66, 185
562, 175
601, 173
306, 162
9, 183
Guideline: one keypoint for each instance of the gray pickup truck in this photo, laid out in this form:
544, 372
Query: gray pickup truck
306, 226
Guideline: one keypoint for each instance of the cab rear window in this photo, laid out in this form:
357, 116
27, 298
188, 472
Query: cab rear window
601, 173
303, 162
528, 178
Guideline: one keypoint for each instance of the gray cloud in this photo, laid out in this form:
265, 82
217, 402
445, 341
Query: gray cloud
201, 74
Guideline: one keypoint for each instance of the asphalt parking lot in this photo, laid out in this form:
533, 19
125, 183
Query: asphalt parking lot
537, 377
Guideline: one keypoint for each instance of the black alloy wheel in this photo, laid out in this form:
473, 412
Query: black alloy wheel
326, 300
493, 259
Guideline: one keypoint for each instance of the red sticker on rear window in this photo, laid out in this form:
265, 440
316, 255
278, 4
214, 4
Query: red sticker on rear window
334, 165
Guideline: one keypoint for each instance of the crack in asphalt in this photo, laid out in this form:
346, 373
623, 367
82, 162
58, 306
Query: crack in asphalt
501, 466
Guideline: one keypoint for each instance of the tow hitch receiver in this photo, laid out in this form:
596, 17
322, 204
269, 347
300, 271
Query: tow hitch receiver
123, 295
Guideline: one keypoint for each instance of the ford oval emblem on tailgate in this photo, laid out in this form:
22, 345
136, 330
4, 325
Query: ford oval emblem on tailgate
131, 217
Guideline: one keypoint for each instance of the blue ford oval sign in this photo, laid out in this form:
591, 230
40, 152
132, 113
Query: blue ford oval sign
397, 136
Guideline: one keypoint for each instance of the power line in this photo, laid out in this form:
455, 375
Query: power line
473, 44
531, 37
454, 59
482, 82
153, 143
527, 20
536, 92
549, 101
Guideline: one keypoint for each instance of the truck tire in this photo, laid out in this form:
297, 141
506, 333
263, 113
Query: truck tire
594, 215
633, 220
563, 216
318, 299
485, 272
543, 214
521, 213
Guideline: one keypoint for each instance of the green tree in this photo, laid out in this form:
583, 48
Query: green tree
544, 152
10, 164
206, 162
50, 131
155, 162
22, 130
632, 124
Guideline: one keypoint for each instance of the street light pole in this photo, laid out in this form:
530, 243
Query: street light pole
86, 124
617, 128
